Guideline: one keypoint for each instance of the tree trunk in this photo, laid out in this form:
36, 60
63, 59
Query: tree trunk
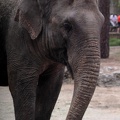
104, 42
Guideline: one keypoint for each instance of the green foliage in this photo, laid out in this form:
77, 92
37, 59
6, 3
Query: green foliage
117, 2
114, 42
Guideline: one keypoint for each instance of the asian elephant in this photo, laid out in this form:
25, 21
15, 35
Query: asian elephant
6, 7
5, 10
43, 37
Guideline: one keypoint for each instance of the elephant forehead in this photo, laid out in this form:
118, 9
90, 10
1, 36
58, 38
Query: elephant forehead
69, 14
87, 1
63, 5
62, 10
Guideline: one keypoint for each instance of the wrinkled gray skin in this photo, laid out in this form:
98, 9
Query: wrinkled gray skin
45, 36
6, 7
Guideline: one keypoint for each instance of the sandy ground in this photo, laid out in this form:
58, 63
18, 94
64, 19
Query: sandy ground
105, 104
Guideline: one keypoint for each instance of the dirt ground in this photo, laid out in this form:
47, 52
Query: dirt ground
105, 104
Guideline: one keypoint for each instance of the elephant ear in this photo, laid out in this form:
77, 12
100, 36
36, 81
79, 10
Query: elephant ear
29, 16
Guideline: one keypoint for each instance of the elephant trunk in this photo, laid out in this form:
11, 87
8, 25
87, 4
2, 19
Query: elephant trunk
85, 72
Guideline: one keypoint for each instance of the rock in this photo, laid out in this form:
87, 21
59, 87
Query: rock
117, 75
67, 74
109, 76
106, 80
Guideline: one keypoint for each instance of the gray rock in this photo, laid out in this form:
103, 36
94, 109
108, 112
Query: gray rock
105, 80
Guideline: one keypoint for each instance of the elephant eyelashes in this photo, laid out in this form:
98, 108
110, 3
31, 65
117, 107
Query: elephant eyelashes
67, 26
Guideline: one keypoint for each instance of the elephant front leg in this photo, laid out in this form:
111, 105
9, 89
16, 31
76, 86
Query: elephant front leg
22, 84
48, 89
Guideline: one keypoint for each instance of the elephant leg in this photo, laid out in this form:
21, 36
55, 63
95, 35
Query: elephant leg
22, 85
48, 89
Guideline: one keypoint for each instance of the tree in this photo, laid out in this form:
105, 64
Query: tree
115, 6
104, 41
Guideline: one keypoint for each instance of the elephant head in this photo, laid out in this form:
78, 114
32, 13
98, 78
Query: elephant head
70, 33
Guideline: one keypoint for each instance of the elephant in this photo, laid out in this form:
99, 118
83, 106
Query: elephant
43, 37
6, 7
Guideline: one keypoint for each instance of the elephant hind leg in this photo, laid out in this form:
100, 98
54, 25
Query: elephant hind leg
47, 92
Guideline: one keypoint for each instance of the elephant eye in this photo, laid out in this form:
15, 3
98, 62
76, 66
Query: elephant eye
67, 26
